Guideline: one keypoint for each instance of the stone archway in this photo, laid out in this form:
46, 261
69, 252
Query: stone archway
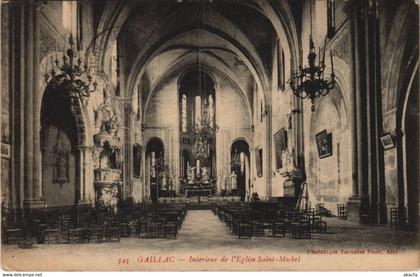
407, 152
155, 157
330, 176
63, 137
240, 166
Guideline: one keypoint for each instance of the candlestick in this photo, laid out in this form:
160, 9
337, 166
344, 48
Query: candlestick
319, 55
332, 64
323, 54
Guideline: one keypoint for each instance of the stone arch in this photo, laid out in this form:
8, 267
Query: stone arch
331, 177
243, 174
154, 143
79, 112
278, 13
79, 106
406, 185
395, 50
254, 66
182, 71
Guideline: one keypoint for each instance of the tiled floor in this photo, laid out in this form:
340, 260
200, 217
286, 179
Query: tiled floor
203, 235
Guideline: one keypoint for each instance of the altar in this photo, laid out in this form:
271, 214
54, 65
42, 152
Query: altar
198, 189
198, 183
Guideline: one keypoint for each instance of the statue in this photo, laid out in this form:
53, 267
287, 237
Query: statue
287, 160
105, 117
170, 184
191, 175
113, 199
225, 184
234, 180
210, 110
61, 167
105, 197
164, 182
205, 174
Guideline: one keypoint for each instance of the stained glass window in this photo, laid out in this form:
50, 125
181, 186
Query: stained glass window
184, 113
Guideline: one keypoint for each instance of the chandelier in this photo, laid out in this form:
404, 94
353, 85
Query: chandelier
203, 132
309, 82
71, 77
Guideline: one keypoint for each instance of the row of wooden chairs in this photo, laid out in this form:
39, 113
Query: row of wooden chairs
85, 225
246, 222
163, 221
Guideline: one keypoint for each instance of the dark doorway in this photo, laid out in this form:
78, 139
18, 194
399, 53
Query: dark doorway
240, 168
155, 166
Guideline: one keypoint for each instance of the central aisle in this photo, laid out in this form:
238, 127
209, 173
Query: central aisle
202, 227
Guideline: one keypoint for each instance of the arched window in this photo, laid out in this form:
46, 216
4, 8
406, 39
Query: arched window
71, 21
197, 119
184, 113
153, 162
331, 18
70, 16
281, 81
115, 68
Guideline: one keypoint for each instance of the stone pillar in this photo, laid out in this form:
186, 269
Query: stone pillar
360, 154
83, 175
37, 96
32, 106
370, 180
90, 177
377, 209
28, 108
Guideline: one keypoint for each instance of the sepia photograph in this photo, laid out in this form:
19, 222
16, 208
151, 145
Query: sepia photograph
209, 135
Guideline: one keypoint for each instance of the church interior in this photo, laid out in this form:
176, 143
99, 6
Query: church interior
270, 119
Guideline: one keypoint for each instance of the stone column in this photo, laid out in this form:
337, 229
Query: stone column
28, 108
354, 111
360, 154
89, 176
37, 96
83, 175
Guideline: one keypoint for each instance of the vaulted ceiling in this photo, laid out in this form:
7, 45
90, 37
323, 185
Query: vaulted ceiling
159, 38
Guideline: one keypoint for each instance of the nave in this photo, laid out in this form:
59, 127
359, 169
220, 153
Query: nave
204, 235
137, 126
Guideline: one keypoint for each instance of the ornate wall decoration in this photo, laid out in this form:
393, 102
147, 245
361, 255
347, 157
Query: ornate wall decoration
61, 161
106, 154
342, 46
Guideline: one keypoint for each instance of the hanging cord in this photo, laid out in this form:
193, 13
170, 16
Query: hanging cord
310, 17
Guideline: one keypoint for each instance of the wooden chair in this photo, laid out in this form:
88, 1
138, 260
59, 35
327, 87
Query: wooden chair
279, 227
13, 235
141, 228
151, 229
342, 211
301, 229
318, 225
394, 218
112, 231
244, 229
170, 230
52, 232
70, 233
96, 233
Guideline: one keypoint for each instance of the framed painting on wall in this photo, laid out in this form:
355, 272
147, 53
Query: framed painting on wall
136, 160
280, 145
387, 141
324, 144
258, 161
